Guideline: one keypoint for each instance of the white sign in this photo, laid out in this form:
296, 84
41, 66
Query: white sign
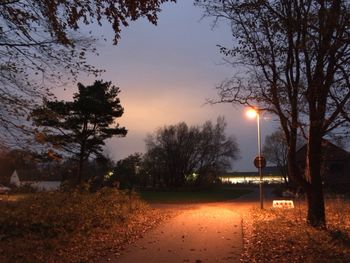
282, 204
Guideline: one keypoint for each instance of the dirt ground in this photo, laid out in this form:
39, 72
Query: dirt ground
207, 232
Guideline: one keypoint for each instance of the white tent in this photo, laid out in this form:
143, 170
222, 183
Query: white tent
14, 179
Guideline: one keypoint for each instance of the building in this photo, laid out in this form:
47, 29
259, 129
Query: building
35, 180
335, 169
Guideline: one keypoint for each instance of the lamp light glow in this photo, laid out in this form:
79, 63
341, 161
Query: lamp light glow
251, 113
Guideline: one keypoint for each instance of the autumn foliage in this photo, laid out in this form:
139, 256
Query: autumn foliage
281, 235
71, 227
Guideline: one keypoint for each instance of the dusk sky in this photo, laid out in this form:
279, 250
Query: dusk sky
166, 73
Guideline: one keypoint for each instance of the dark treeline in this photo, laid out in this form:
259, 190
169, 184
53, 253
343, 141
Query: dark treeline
176, 156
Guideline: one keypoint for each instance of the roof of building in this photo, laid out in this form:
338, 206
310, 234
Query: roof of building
330, 152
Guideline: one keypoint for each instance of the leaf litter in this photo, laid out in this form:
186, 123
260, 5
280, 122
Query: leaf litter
282, 235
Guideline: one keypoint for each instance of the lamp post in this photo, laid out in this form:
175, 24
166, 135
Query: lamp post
259, 161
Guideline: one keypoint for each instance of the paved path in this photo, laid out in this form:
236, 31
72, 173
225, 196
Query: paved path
209, 232
202, 233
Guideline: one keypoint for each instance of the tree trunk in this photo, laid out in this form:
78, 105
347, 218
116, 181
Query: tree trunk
316, 209
80, 169
292, 170
316, 212
81, 164
284, 172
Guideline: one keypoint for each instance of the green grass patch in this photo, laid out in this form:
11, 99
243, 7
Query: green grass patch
193, 196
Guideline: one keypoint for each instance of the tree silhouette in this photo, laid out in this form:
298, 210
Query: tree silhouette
175, 152
81, 126
275, 151
296, 56
42, 46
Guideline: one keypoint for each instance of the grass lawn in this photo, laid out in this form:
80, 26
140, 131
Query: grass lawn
194, 196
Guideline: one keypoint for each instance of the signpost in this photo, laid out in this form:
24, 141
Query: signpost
260, 162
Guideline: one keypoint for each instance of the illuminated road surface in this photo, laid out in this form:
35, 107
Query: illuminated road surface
199, 233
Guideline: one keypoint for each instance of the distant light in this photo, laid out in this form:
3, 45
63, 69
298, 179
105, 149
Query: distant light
251, 113
108, 175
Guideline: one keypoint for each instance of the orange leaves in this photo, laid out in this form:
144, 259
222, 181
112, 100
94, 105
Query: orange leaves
72, 227
283, 236
40, 137
53, 156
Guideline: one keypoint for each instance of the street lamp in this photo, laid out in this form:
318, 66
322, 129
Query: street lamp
259, 160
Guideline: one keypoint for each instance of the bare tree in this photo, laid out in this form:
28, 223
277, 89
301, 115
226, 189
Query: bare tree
296, 58
41, 46
175, 152
276, 152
